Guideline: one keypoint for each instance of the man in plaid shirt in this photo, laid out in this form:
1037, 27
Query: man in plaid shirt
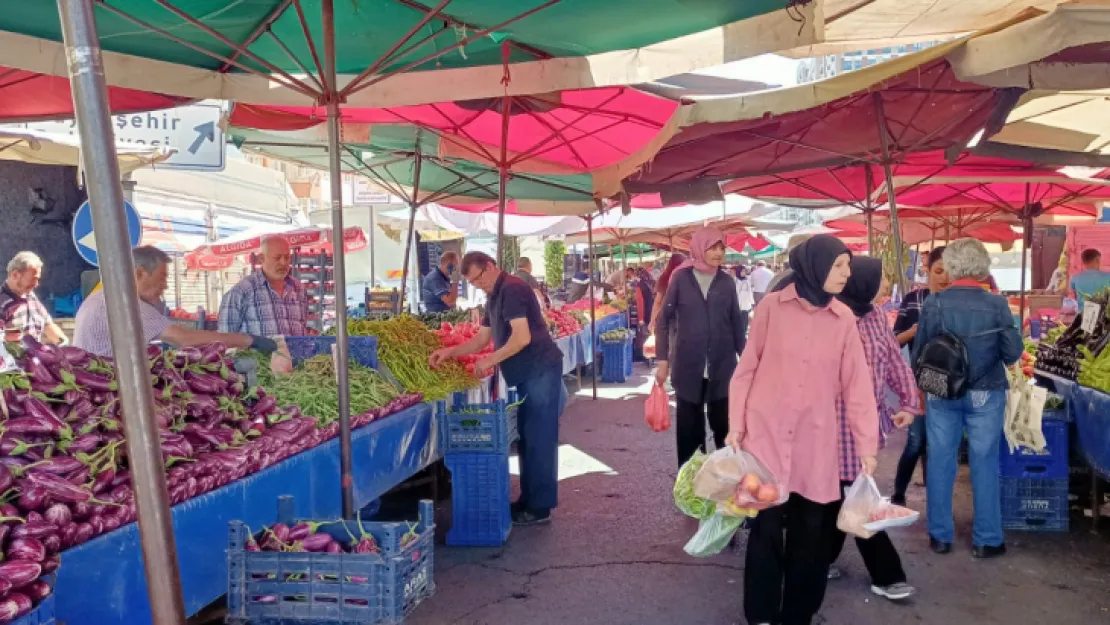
20, 309
269, 302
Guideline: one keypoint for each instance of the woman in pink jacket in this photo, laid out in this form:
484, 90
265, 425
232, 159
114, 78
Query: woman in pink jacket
804, 352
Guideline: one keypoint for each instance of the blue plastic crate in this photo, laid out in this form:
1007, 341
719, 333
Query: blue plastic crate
43, 614
469, 427
274, 588
1051, 463
1034, 505
616, 361
628, 355
361, 349
479, 500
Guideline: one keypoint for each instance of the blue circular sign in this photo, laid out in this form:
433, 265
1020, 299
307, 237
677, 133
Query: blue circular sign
85, 240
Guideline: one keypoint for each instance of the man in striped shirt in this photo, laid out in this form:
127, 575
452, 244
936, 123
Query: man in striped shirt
269, 302
151, 270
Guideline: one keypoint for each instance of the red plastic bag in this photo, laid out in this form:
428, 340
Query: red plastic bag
657, 411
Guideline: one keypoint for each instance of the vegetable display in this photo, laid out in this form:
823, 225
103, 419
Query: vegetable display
1062, 356
619, 335
562, 323
458, 334
65, 474
455, 315
404, 345
600, 310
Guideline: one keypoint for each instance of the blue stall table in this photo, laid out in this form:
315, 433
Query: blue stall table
103, 582
1091, 411
569, 346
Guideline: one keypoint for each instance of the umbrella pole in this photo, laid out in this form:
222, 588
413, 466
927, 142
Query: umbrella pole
870, 232
590, 292
503, 176
1026, 242
339, 270
102, 180
413, 203
371, 247
888, 173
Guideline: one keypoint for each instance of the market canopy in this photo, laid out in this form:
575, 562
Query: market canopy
44, 148
271, 51
29, 96
220, 254
449, 219
556, 134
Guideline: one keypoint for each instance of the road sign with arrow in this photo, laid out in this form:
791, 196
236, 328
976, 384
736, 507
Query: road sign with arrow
193, 131
84, 239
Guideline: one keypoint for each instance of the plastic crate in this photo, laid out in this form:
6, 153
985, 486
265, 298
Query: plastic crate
43, 614
466, 427
1034, 504
479, 500
361, 349
274, 588
1051, 463
616, 361
628, 356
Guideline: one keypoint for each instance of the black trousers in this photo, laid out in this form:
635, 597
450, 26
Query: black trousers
879, 555
786, 568
690, 424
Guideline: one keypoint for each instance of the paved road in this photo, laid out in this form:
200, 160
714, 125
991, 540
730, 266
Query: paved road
614, 553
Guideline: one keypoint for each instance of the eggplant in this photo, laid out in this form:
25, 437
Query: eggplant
32, 498
58, 465
34, 517
57, 488
95, 383
280, 531
38, 590
52, 543
59, 514
103, 480
300, 531
97, 524
5, 588
85, 443
51, 564
74, 356
37, 529
81, 510
27, 549
40, 372
334, 547
6, 478
83, 534
19, 572
14, 606
34, 424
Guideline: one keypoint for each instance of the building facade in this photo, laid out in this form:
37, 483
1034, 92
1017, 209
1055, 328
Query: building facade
822, 67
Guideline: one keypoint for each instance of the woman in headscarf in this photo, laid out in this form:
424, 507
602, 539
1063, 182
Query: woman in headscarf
804, 353
708, 337
888, 370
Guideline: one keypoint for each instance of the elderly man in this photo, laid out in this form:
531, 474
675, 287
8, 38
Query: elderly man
151, 269
269, 302
20, 310
440, 289
524, 272
531, 361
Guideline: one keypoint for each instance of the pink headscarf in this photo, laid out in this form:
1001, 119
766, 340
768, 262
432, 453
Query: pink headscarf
703, 239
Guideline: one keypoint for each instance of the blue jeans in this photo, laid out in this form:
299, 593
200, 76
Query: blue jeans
915, 449
544, 396
981, 413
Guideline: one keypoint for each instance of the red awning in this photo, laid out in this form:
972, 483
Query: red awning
27, 96
220, 254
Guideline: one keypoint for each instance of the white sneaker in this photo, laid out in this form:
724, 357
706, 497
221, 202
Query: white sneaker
895, 592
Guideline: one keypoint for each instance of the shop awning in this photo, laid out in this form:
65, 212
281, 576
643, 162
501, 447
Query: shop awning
259, 51
41, 148
220, 254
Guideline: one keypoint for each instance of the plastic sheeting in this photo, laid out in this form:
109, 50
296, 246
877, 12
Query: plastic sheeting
486, 223
1091, 411
110, 569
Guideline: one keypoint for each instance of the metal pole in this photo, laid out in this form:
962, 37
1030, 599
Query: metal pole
371, 242
503, 177
411, 240
117, 271
888, 173
1026, 240
335, 172
590, 292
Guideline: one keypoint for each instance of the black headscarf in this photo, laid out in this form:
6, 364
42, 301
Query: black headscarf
863, 285
810, 264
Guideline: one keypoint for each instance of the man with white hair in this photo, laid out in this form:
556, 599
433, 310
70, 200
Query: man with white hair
151, 270
761, 280
20, 309
269, 302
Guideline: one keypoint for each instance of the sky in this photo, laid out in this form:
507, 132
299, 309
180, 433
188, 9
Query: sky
766, 68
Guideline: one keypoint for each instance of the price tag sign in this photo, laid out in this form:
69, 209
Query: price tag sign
1091, 312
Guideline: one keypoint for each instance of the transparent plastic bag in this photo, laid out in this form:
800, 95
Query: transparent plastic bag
657, 410
649, 347
862, 499
281, 362
713, 536
684, 498
740, 479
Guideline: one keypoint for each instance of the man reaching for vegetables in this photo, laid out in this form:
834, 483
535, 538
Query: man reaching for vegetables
531, 361
91, 327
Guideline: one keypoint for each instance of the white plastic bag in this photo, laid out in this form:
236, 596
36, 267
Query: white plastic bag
866, 512
713, 536
863, 497
740, 479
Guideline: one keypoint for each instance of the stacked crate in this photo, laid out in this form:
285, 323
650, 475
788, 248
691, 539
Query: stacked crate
1035, 484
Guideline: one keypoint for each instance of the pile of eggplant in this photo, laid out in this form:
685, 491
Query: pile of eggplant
1062, 356
64, 475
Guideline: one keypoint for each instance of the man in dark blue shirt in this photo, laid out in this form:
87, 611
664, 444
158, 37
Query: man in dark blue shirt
532, 362
438, 291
